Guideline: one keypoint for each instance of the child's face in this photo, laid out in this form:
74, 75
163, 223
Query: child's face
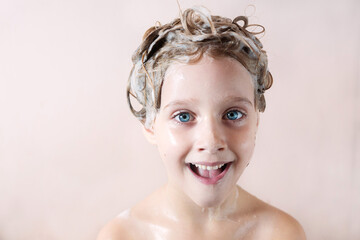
207, 117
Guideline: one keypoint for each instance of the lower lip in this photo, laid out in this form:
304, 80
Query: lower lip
211, 181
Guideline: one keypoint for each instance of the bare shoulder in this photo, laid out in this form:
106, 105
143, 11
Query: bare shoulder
273, 223
132, 223
116, 229
279, 225
286, 227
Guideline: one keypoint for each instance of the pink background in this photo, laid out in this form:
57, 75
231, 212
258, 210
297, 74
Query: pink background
72, 156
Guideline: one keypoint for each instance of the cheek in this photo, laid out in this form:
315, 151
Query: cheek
173, 144
242, 142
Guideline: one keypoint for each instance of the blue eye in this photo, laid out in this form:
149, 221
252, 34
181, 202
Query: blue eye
183, 117
234, 115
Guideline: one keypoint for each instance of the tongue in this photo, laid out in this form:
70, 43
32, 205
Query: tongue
209, 173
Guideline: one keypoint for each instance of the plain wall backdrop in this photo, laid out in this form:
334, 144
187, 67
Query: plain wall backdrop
72, 156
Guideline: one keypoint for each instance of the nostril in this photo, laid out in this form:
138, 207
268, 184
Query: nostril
216, 149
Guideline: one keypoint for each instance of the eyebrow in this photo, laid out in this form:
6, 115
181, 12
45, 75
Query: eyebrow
192, 101
238, 99
181, 102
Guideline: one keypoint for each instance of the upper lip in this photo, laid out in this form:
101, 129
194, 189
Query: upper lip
208, 163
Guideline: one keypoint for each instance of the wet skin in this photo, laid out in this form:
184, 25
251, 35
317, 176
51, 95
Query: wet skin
208, 117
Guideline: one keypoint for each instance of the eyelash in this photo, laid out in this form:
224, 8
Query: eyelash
235, 110
176, 116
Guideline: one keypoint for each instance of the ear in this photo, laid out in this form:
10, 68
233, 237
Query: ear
149, 134
257, 121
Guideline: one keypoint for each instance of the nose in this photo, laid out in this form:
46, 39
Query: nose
210, 136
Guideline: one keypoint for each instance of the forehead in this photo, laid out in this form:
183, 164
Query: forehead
209, 78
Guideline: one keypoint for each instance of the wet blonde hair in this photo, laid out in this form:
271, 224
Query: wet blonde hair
186, 40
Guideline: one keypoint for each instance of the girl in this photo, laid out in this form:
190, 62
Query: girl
200, 81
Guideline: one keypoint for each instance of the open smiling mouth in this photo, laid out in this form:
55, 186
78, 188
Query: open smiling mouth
209, 174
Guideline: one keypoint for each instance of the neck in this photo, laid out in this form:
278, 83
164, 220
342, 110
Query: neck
180, 208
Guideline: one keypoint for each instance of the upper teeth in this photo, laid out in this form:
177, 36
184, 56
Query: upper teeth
209, 167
